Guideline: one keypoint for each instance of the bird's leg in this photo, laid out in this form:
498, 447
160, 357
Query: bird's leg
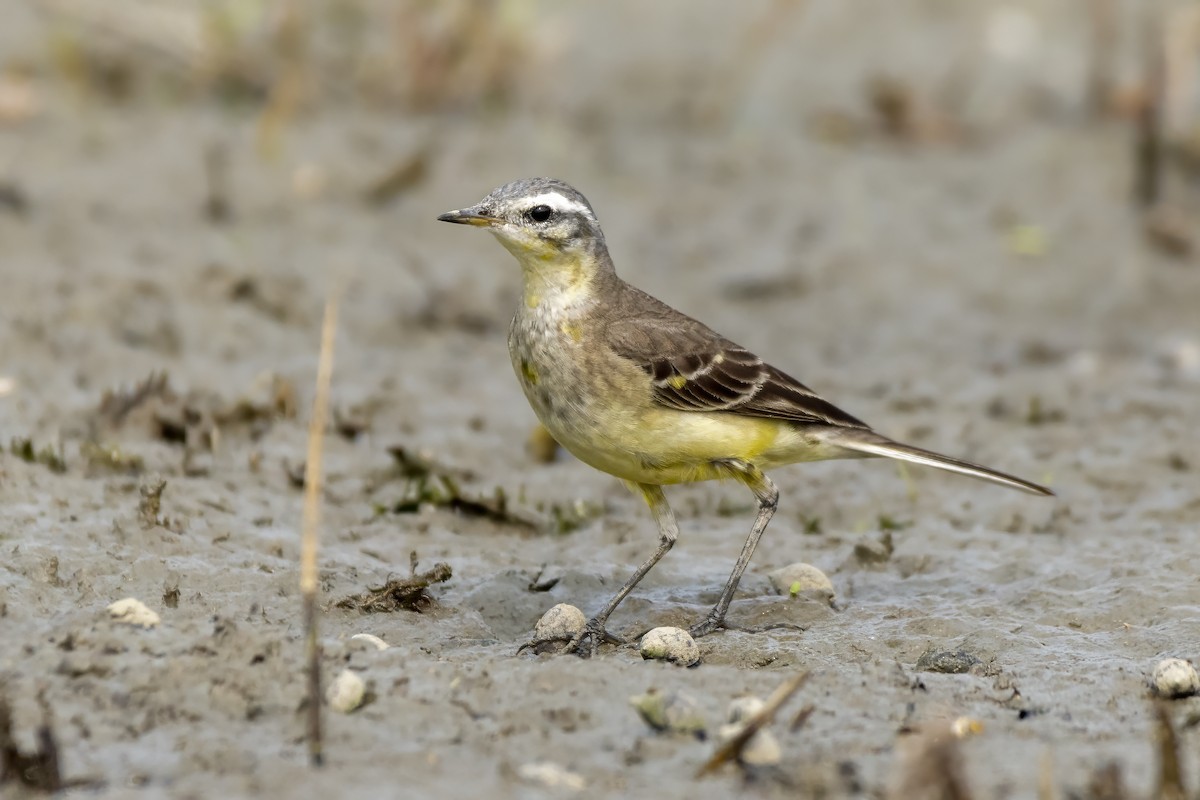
587, 640
768, 500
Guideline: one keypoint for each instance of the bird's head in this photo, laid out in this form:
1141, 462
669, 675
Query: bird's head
542, 221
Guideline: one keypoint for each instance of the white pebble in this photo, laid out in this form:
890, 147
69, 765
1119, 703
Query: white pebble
1174, 677
743, 708
1182, 356
965, 727
371, 638
1011, 33
347, 692
670, 644
132, 611
761, 751
560, 623
802, 579
552, 775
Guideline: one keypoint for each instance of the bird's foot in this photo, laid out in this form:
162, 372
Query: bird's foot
584, 644
707, 625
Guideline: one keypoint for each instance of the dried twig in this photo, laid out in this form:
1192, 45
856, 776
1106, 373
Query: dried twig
730, 750
1170, 776
1100, 66
1046, 790
801, 718
1147, 147
38, 769
218, 207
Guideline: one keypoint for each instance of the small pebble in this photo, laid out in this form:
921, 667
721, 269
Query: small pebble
1175, 678
872, 552
1181, 356
559, 624
347, 692
132, 611
763, 748
802, 579
670, 644
672, 712
950, 662
965, 727
552, 776
372, 639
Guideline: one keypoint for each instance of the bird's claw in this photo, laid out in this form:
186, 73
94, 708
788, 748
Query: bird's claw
584, 644
706, 626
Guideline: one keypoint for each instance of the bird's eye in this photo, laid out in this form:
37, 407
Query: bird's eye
540, 213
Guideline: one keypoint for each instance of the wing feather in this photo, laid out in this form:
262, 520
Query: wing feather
693, 368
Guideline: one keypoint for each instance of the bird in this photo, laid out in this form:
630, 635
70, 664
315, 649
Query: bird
643, 392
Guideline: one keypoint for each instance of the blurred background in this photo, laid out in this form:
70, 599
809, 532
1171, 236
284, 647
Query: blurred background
779, 143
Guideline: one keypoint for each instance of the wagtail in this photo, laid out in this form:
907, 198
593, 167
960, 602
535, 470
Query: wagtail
643, 392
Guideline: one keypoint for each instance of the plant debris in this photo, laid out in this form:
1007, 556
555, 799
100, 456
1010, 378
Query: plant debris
150, 507
110, 458
116, 405
570, 517
194, 419
1039, 415
427, 483
47, 456
351, 423
218, 208
877, 551
397, 594
890, 523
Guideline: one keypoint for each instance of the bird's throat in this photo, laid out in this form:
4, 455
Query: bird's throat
563, 280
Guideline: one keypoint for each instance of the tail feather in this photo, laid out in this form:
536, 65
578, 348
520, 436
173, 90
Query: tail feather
872, 444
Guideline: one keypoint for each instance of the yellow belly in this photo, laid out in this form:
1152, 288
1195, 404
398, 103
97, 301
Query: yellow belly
665, 446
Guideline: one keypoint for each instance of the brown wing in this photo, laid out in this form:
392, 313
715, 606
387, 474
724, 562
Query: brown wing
696, 369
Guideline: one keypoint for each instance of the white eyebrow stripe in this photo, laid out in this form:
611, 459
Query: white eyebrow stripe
560, 203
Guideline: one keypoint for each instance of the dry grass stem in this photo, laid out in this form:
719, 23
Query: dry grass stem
311, 527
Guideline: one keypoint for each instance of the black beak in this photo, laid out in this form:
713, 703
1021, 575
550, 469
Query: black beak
468, 216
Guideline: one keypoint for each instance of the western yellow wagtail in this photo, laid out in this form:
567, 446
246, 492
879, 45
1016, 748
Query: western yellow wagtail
641, 391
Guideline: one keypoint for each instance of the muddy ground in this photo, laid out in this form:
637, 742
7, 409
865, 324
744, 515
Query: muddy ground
977, 284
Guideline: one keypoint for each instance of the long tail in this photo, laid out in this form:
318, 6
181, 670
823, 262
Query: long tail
872, 444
